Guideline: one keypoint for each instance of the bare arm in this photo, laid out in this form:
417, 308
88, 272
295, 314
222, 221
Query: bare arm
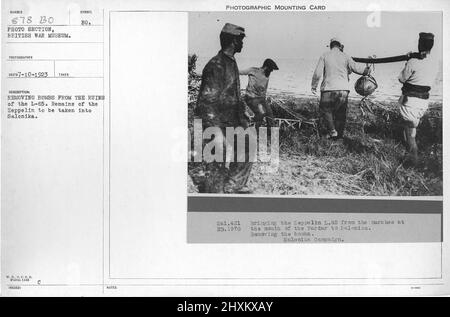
245, 71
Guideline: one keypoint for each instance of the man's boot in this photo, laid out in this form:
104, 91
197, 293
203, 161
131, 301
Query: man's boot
333, 135
244, 190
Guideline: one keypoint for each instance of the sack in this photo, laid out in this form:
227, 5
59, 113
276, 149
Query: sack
366, 85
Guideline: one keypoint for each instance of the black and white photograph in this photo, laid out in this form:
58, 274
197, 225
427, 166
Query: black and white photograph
329, 103
224, 148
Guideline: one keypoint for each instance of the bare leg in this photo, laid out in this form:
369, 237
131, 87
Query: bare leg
410, 135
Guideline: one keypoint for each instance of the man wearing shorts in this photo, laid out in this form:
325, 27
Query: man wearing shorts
417, 78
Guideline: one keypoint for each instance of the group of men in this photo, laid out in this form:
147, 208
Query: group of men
417, 77
219, 102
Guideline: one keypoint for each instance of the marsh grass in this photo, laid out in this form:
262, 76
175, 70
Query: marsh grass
368, 161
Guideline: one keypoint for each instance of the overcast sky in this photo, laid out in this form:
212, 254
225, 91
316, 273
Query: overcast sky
306, 34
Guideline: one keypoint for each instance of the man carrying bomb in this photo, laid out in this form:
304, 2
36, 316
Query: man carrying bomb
255, 94
417, 77
219, 105
335, 66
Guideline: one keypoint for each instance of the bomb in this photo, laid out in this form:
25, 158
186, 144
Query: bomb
366, 85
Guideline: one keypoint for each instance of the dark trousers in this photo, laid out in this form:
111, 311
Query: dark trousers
333, 110
222, 179
219, 179
261, 109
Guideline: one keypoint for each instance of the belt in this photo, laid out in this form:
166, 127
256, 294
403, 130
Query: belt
418, 91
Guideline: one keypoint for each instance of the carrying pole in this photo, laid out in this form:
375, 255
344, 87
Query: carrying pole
391, 59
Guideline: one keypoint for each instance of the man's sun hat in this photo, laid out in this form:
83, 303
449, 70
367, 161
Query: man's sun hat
233, 29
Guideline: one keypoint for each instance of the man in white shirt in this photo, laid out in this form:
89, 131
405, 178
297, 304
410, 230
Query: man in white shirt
417, 77
335, 66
